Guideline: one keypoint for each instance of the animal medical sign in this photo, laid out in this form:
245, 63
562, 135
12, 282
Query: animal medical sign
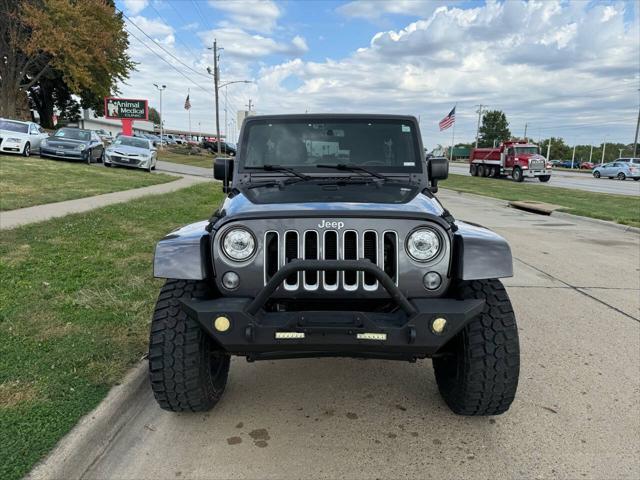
126, 108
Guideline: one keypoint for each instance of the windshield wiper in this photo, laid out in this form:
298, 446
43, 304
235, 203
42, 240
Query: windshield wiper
279, 168
353, 168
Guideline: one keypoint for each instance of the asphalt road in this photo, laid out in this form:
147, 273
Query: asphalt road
576, 293
183, 169
577, 181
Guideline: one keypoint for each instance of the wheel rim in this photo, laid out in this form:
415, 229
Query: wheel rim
596, 174
27, 150
621, 176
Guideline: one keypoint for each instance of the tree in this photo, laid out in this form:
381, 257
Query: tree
494, 128
79, 47
154, 116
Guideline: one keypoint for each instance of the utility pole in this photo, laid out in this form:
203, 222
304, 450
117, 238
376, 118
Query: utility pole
549, 150
591, 154
160, 88
573, 156
249, 106
620, 150
216, 75
604, 146
635, 142
226, 123
525, 130
479, 111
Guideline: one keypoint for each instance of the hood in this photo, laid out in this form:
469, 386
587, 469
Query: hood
530, 156
367, 200
127, 150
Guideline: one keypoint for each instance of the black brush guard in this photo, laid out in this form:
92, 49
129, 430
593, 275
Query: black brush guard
407, 332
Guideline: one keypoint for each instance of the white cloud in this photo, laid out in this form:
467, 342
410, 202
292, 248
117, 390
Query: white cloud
375, 9
254, 15
241, 44
156, 29
134, 7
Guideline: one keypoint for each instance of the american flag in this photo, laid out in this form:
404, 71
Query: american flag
187, 103
449, 120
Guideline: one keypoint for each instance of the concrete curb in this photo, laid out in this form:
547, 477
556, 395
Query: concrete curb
77, 451
557, 214
617, 226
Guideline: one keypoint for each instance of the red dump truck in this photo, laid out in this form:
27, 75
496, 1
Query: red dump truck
515, 158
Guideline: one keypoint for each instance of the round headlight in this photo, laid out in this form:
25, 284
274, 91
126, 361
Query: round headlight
423, 245
81, 147
238, 244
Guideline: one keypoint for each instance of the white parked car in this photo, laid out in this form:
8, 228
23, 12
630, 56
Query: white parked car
20, 137
131, 152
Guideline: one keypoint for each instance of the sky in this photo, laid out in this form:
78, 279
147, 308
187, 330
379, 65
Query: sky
568, 69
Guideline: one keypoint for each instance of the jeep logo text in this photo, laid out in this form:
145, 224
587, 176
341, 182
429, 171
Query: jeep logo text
336, 225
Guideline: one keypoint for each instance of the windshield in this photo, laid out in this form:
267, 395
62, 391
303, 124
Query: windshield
14, 126
73, 134
132, 142
377, 144
525, 150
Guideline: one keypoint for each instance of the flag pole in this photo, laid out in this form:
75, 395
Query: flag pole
453, 134
189, 111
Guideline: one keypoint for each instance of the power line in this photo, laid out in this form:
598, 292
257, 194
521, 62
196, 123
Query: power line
161, 47
168, 63
195, 4
165, 21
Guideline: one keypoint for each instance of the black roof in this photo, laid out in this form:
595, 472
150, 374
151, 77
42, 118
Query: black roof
318, 116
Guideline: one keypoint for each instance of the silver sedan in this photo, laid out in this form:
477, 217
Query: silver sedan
132, 152
619, 170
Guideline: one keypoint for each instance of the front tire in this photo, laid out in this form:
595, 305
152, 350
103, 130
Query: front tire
517, 175
544, 178
477, 372
187, 371
26, 152
596, 174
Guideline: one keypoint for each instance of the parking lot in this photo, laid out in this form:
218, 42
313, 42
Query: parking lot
574, 414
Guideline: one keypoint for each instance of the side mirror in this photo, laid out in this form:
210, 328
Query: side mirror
437, 169
223, 170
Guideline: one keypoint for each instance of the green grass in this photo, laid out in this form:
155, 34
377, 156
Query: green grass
204, 160
76, 298
623, 209
25, 182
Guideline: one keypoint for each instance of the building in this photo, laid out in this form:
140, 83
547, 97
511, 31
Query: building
89, 120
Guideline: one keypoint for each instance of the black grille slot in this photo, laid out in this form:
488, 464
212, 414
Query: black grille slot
270, 254
390, 261
350, 253
370, 252
311, 253
331, 253
291, 253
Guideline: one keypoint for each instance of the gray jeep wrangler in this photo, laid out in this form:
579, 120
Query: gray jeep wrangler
330, 242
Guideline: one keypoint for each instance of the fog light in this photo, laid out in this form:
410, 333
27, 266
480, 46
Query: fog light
438, 325
222, 323
431, 280
231, 280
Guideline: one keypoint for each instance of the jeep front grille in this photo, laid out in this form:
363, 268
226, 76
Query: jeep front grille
380, 248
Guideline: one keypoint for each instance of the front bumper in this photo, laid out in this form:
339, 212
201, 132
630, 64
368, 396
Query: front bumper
127, 161
65, 154
406, 333
536, 173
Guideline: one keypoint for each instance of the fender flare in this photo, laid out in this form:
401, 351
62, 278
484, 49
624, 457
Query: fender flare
184, 253
480, 253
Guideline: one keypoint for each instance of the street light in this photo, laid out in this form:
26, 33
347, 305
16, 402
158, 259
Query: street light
216, 80
160, 89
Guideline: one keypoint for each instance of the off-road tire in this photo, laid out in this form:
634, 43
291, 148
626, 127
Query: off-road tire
517, 175
188, 372
544, 178
477, 372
